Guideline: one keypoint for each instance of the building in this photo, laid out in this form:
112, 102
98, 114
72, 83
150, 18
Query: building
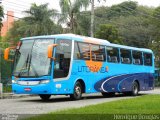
8, 23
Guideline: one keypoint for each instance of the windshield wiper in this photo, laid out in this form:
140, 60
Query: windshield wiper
33, 68
23, 70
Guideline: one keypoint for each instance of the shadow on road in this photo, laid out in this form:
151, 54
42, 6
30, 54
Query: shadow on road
67, 98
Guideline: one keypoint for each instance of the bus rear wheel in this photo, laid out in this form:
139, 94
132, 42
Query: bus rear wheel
45, 97
135, 89
77, 94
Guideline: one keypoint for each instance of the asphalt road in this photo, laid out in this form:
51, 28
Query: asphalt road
34, 105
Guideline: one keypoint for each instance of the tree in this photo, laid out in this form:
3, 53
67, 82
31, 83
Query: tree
135, 31
107, 15
70, 11
1, 16
124, 9
110, 33
155, 33
92, 17
38, 21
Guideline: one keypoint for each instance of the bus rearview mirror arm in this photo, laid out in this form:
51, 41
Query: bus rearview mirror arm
6, 53
50, 51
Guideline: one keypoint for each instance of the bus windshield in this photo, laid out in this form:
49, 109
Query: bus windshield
31, 58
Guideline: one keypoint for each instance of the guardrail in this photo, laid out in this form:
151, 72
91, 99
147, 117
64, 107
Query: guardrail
5, 90
1, 90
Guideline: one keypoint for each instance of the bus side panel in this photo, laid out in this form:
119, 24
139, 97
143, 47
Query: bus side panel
121, 78
118, 78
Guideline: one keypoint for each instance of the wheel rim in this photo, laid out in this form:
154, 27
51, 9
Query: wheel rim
135, 88
77, 91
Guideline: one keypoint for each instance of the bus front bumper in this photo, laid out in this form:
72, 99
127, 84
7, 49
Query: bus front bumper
32, 89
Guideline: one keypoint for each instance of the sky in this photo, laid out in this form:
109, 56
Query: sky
20, 5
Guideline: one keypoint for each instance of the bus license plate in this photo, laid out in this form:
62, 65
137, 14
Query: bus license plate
27, 89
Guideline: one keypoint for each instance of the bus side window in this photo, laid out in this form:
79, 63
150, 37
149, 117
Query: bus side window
76, 51
125, 56
147, 59
98, 53
81, 51
63, 58
112, 54
137, 57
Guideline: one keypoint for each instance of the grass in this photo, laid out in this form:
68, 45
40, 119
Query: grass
146, 104
7, 89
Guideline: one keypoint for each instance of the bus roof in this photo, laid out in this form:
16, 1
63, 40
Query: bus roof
81, 38
88, 39
132, 48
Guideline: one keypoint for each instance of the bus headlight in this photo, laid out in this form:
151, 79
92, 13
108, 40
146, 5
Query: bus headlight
14, 81
44, 81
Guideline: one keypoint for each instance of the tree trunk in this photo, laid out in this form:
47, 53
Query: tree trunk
92, 18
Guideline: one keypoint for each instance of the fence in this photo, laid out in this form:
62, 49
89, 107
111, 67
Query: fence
5, 73
157, 77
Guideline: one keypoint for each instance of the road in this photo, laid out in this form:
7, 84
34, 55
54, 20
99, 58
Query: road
34, 105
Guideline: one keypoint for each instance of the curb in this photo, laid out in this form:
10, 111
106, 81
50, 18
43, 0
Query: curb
14, 96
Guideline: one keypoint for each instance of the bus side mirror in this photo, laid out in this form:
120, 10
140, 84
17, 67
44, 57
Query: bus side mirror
6, 53
50, 50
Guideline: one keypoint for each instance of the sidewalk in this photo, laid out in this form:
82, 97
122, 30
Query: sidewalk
13, 96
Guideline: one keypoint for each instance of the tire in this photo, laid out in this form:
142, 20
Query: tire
45, 97
77, 92
135, 89
110, 94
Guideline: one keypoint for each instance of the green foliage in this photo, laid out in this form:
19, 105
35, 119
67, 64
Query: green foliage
155, 46
38, 22
16, 32
123, 9
110, 33
7, 88
5, 70
156, 15
1, 16
83, 21
70, 12
135, 31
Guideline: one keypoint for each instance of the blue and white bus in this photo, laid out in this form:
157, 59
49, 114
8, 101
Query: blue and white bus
68, 64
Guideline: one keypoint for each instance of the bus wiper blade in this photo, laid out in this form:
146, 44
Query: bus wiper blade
24, 69
33, 68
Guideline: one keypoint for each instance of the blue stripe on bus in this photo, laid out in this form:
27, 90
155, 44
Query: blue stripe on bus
116, 83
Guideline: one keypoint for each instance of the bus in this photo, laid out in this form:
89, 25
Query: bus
69, 64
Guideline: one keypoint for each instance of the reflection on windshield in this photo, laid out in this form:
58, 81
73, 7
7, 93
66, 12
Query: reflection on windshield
31, 59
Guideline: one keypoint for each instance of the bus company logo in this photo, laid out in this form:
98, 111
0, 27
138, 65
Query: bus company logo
93, 69
27, 83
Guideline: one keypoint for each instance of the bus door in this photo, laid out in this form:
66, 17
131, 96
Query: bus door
62, 58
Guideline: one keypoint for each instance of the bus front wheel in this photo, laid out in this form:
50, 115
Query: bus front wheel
45, 97
77, 93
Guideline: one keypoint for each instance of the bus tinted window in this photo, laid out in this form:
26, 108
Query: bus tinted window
126, 56
63, 58
82, 51
147, 59
98, 53
76, 51
137, 58
112, 54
